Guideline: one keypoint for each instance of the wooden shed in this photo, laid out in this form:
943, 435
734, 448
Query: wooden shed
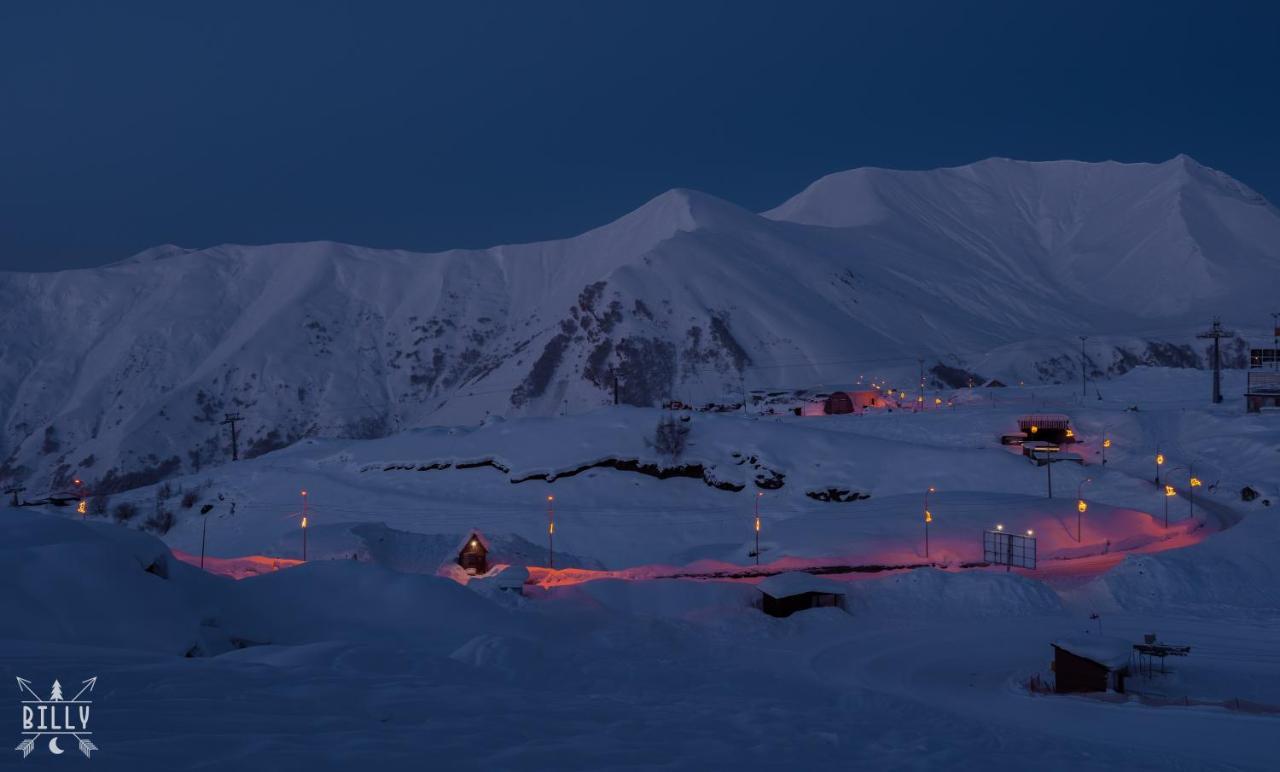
1091, 663
473, 554
784, 594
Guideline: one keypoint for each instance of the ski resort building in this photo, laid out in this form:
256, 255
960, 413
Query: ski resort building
1262, 387
1090, 663
784, 594
842, 403
1047, 427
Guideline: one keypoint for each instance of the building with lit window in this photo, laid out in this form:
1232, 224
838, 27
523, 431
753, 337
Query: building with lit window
1262, 387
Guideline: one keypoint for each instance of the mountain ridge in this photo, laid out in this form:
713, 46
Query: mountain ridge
688, 296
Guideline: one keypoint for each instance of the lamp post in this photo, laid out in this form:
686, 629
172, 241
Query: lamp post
1159, 463
1169, 493
758, 495
1081, 506
1193, 482
551, 532
304, 524
928, 518
82, 506
204, 535
1106, 443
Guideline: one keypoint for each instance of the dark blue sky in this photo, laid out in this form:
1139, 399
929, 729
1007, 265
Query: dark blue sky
425, 126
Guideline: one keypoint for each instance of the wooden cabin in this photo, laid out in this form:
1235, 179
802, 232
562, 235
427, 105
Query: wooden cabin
784, 594
473, 554
1091, 663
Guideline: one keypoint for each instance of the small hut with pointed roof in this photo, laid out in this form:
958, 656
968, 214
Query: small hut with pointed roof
473, 553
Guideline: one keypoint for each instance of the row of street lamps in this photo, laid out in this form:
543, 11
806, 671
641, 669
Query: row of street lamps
1081, 507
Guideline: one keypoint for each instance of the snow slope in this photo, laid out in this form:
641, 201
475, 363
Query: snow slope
121, 375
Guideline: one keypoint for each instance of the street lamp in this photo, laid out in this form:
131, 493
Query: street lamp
1159, 463
758, 495
1106, 443
928, 518
1193, 482
303, 493
1081, 506
551, 531
1169, 493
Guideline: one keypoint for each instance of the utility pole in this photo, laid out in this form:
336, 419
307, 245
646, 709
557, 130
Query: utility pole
14, 491
1048, 467
231, 420
1084, 390
204, 535
1217, 334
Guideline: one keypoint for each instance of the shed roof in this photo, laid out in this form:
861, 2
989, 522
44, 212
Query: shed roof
1108, 651
798, 583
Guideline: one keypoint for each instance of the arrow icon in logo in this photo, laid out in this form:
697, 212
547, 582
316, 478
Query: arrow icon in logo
25, 685
88, 687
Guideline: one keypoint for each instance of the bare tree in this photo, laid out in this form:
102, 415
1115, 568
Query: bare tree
670, 437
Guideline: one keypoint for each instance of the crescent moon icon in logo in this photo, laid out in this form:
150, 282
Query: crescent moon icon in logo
54, 749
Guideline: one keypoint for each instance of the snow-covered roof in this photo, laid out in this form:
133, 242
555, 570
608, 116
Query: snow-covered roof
473, 534
1108, 651
798, 583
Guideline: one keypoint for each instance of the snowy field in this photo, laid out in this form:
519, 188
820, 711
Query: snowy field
643, 647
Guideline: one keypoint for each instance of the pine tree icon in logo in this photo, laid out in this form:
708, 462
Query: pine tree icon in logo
56, 694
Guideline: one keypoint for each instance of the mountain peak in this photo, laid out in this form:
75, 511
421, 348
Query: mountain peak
867, 195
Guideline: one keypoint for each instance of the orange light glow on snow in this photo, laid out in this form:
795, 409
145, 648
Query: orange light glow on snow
1169, 491
82, 507
1106, 443
1082, 506
1195, 482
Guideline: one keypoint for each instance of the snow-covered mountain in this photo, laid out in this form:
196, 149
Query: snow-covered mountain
122, 374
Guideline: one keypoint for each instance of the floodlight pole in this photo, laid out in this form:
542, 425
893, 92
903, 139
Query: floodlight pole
204, 533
